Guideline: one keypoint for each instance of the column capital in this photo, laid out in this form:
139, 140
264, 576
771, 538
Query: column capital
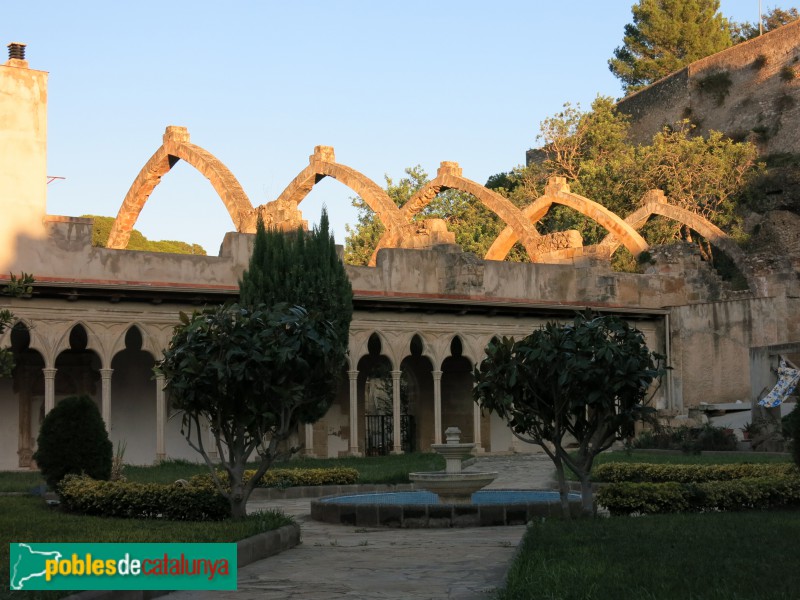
436, 374
49, 373
353, 374
396, 374
106, 373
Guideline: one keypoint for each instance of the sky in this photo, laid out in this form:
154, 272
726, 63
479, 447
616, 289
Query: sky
388, 84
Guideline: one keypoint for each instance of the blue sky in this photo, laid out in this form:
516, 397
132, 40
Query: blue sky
388, 84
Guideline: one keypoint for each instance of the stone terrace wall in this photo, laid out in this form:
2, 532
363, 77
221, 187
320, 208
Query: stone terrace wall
762, 103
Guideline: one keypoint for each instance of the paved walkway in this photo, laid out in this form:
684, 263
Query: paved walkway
336, 561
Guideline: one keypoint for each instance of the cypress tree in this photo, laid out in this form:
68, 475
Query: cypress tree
301, 269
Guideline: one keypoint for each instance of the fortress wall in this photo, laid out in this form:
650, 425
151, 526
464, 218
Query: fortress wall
761, 104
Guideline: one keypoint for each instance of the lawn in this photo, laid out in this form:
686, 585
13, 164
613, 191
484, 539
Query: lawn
29, 519
712, 556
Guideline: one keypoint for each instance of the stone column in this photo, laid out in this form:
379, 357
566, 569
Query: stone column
105, 374
161, 419
309, 428
353, 375
437, 407
49, 389
397, 447
476, 426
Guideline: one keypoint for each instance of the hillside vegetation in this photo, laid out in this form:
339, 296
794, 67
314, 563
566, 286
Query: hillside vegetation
102, 229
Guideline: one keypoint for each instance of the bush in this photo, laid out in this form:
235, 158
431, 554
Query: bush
617, 472
283, 478
73, 439
687, 439
194, 502
741, 494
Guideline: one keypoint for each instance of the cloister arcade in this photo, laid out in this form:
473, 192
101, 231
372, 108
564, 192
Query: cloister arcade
418, 369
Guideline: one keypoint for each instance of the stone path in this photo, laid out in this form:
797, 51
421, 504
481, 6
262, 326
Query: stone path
335, 561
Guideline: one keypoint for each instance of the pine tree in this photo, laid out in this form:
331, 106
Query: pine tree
665, 36
301, 269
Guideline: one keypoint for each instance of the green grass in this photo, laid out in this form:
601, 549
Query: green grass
29, 519
19, 481
712, 556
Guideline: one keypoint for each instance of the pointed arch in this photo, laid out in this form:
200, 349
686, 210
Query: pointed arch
449, 176
176, 146
557, 192
654, 203
323, 164
148, 345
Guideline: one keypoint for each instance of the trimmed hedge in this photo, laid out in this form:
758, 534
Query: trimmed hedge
195, 502
283, 478
743, 494
618, 472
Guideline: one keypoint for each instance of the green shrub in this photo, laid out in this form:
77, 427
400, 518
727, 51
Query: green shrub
174, 502
618, 472
645, 498
73, 439
740, 494
283, 478
687, 439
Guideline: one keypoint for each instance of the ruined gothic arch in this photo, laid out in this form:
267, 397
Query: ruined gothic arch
655, 203
176, 146
557, 192
323, 164
449, 176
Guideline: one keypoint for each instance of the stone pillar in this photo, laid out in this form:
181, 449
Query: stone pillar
309, 428
24, 450
161, 419
476, 427
353, 375
437, 407
105, 374
49, 389
397, 447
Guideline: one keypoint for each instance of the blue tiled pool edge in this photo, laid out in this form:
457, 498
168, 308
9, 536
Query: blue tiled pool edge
412, 509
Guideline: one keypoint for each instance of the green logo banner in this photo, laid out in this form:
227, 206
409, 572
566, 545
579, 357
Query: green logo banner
44, 566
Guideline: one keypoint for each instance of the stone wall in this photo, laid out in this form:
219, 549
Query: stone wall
750, 91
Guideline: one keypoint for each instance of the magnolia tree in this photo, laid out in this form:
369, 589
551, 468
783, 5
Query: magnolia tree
251, 374
583, 382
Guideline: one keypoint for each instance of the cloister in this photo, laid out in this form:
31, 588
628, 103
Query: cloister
99, 318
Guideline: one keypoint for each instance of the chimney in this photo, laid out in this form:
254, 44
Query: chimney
16, 51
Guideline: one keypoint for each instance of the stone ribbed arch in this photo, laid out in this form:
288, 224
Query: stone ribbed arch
449, 176
655, 203
557, 192
323, 164
176, 146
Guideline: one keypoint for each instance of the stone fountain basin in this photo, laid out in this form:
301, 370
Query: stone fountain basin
456, 488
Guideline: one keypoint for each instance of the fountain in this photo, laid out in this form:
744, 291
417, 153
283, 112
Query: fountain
449, 498
453, 486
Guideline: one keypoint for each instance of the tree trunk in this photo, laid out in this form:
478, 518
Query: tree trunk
587, 498
563, 488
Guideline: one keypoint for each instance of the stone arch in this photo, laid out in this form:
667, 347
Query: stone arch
323, 164
427, 350
147, 342
93, 342
449, 176
176, 146
557, 192
655, 203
